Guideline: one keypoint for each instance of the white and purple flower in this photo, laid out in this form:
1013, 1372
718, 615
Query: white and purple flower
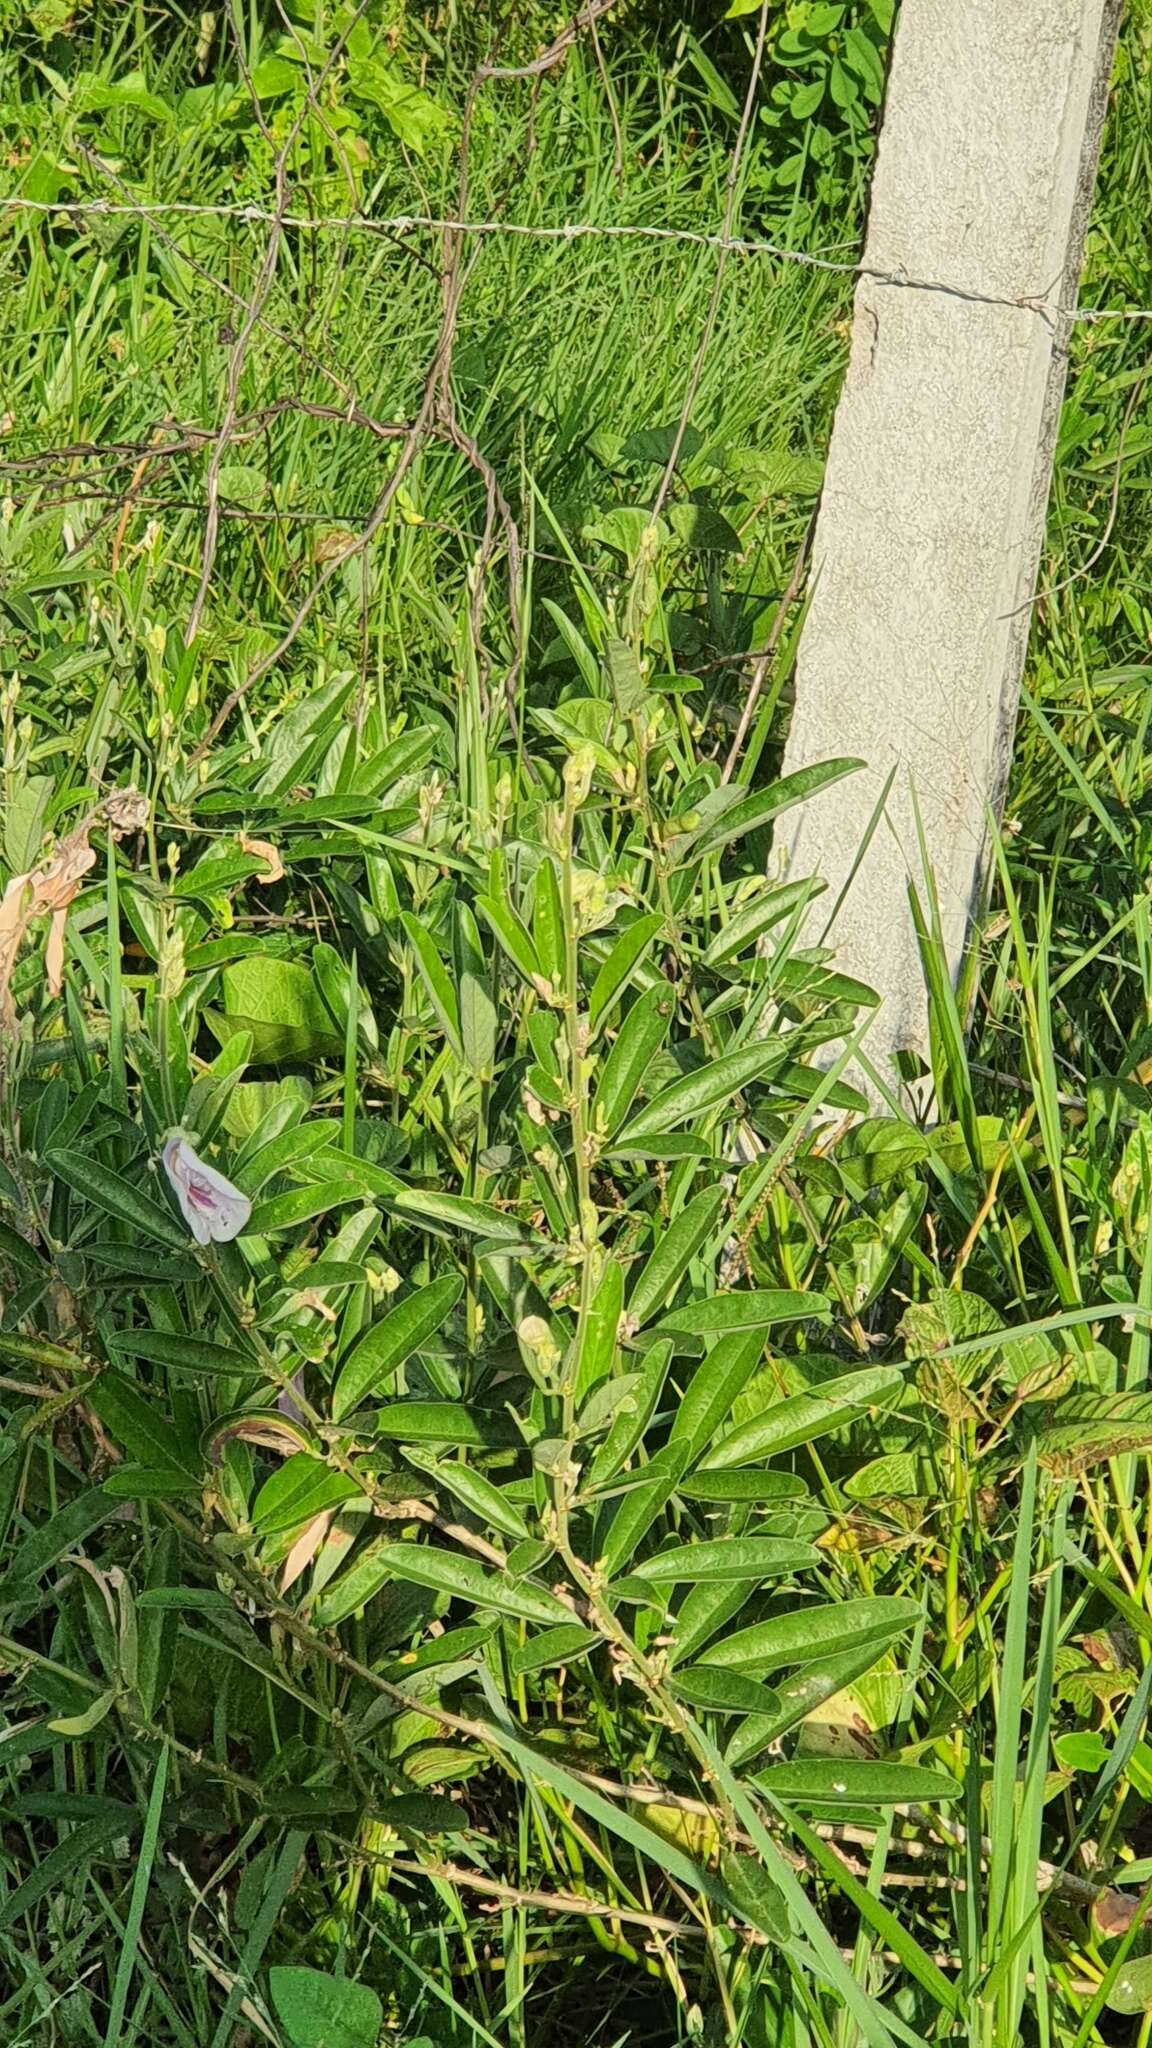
213, 1209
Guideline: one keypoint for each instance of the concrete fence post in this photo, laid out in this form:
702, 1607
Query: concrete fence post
932, 515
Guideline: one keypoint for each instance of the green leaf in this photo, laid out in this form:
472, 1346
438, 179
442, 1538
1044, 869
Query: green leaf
638, 1040
599, 1332
82, 1724
723, 1692
631, 1422
463, 1579
512, 935
183, 1354
745, 1309
479, 1495
279, 1003
65, 1530
445, 1422
457, 1212
319, 2011
564, 1644
742, 1485
703, 1610
116, 1197
801, 1418
479, 1023
434, 975
756, 811
548, 923
714, 1386
699, 527
24, 822
754, 1558
850, 1783
696, 1093
1131, 1989
621, 963
303, 1487
300, 1205
817, 1632
638, 1509
90, 1842
388, 1343
676, 1247
754, 918
760, 1901
146, 1434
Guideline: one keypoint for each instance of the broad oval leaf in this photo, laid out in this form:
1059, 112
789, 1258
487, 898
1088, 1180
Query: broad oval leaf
319, 2011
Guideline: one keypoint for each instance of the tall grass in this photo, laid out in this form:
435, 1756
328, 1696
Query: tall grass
353, 1691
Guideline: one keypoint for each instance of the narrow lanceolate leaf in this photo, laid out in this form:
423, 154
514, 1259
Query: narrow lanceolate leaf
637, 1042
478, 1019
808, 1634
759, 809
695, 1094
437, 982
751, 1308
463, 1579
512, 935
851, 1783
63, 1531
754, 1558
183, 1354
803, 1417
457, 1212
300, 1205
302, 1488
116, 1197
723, 1692
137, 1421
391, 1341
618, 968
632, 1420
92, 1841
445, 1422
477, 1492
637, 1511
596, 1344
715, 1386
703, 1610
676, 1247
548, 923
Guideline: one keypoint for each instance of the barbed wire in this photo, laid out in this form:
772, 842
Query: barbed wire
400, 224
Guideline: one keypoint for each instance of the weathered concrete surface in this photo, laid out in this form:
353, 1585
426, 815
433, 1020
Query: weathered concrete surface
932, 516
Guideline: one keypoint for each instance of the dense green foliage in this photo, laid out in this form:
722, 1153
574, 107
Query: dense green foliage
606, 1552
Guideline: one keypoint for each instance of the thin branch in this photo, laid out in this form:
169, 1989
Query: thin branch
767, 652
